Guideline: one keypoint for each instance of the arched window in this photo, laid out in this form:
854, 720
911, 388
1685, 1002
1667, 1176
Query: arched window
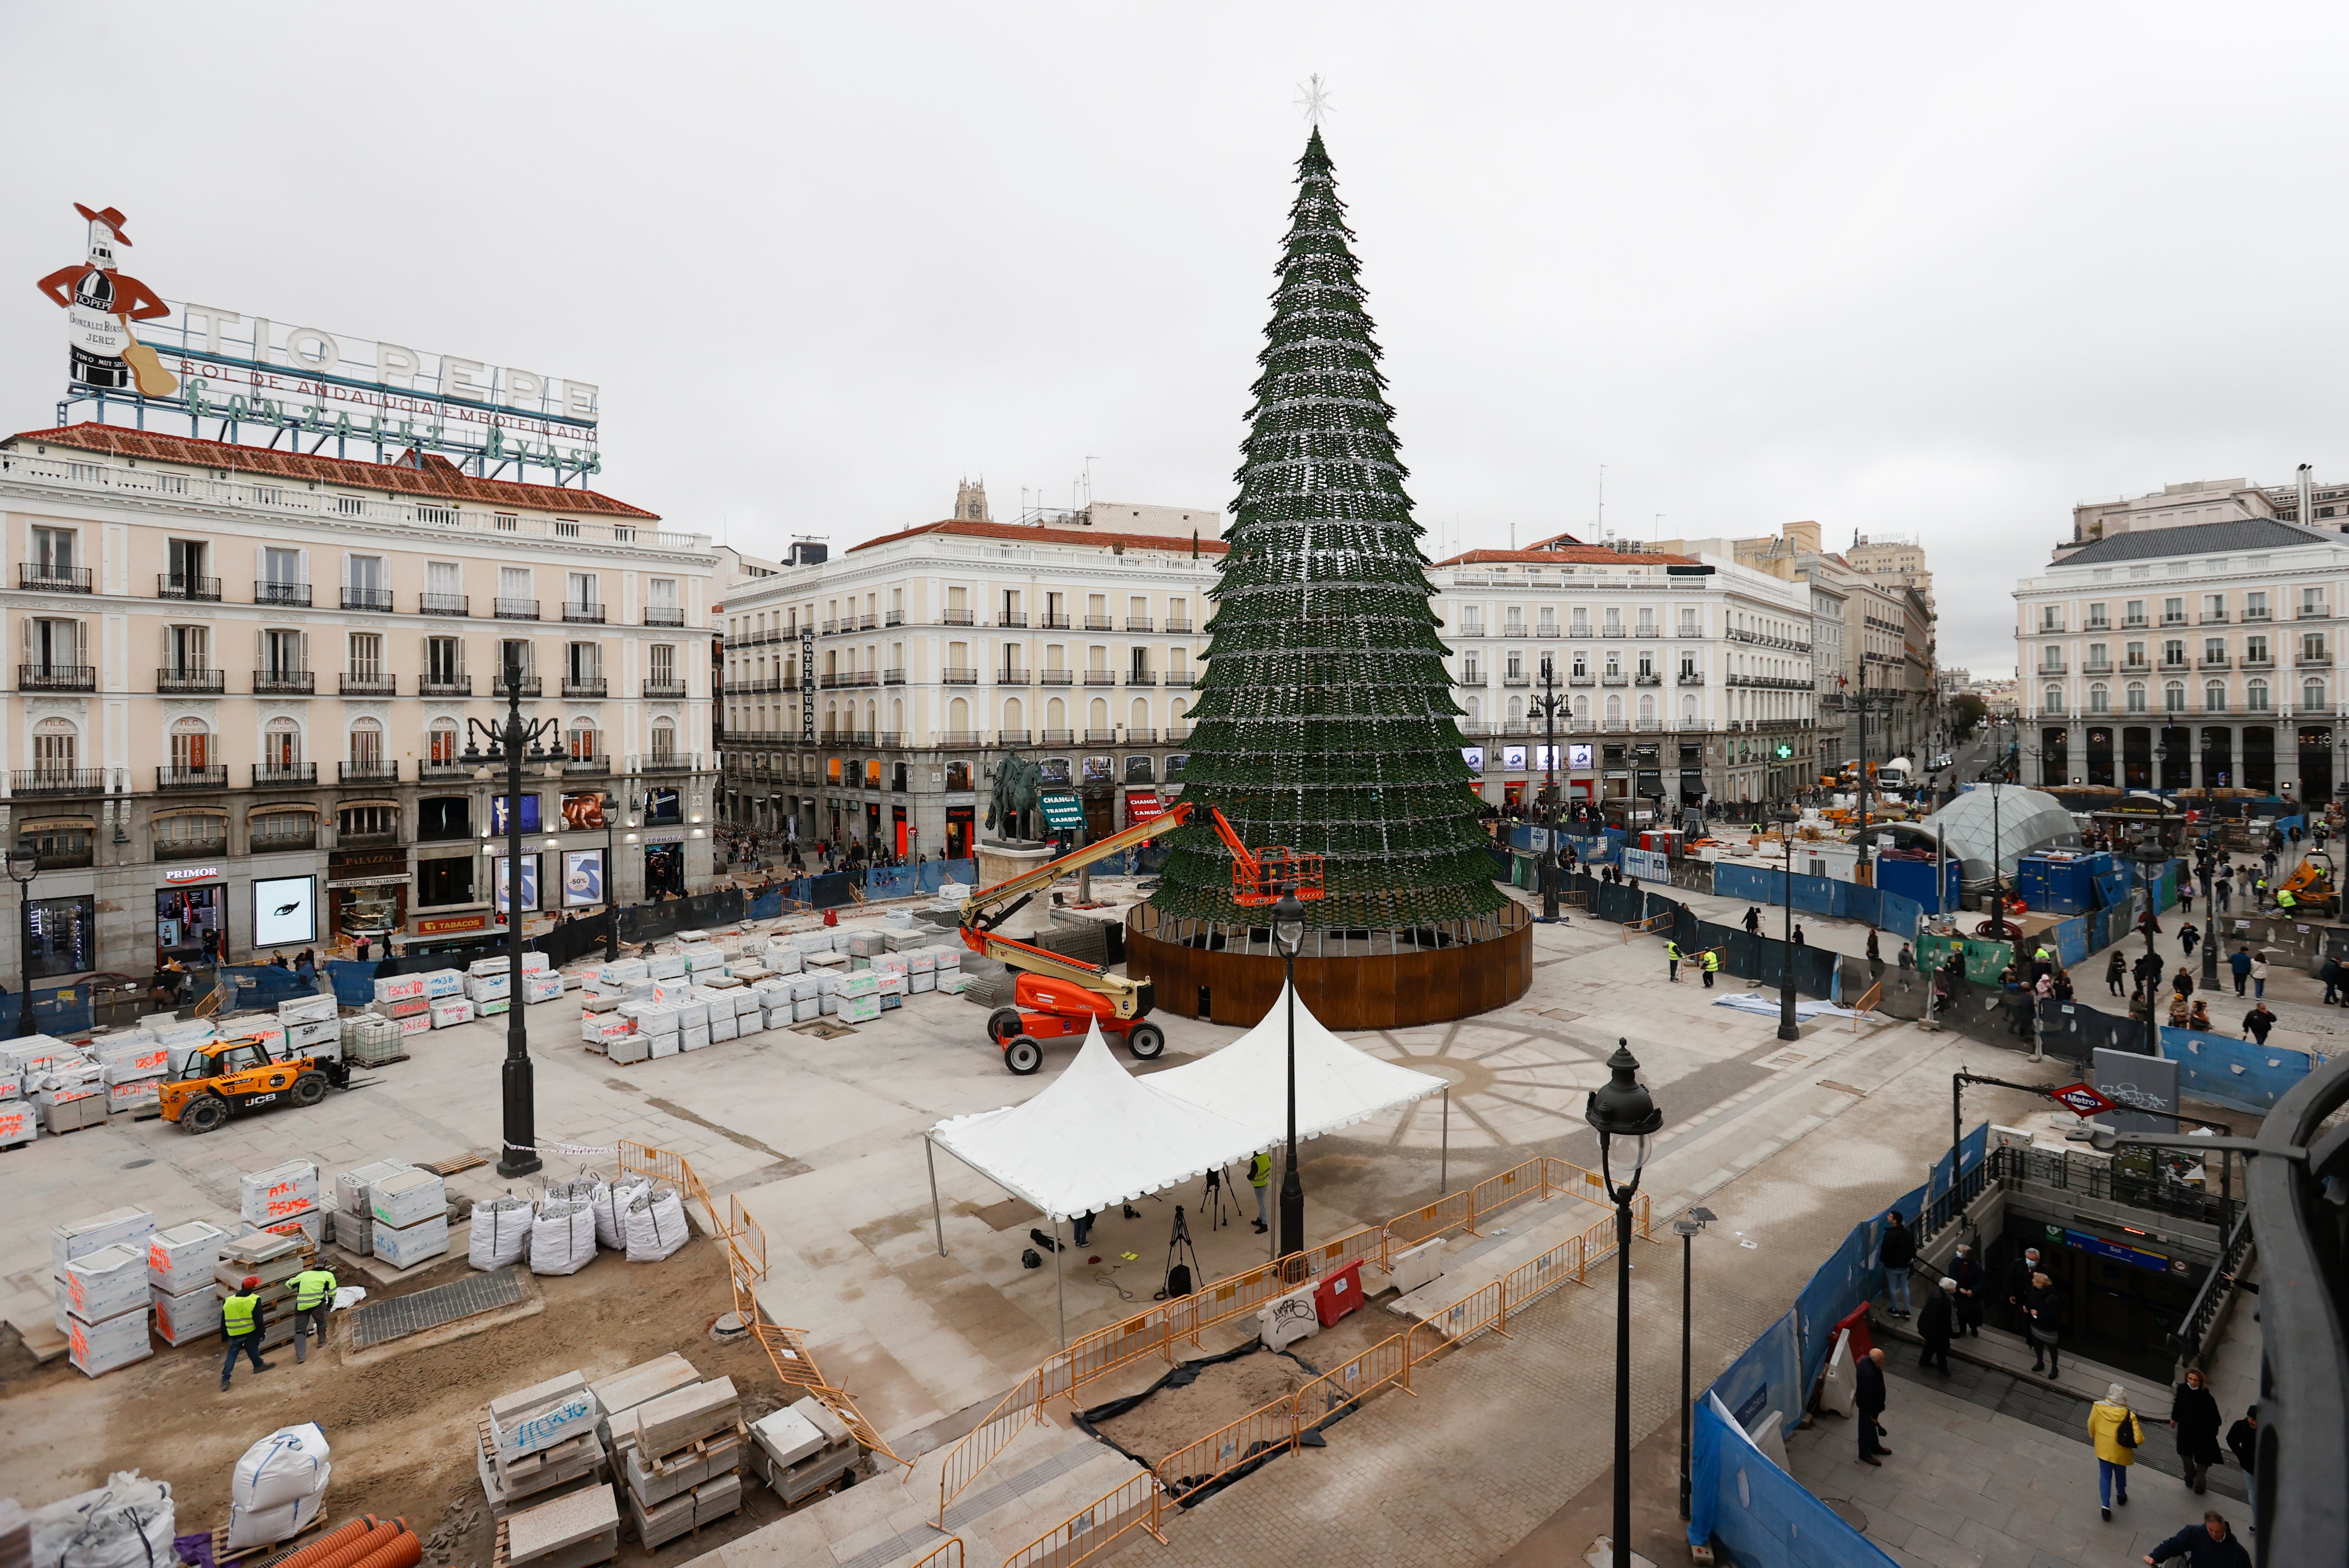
897, 715
2312, 697
2214, 696
2255, 696
2173, 698
1517, 715
191, 746
56, 746
665, 739
1140, 717
1097, 716
442, 740
1582, 709
2137, 696
1182, 711
1056, 717
1614, 711
366, 742
1687, 710
1647, 710
281, 744
582, 738
2052, 701
1015, 717
1476, 710
958, 717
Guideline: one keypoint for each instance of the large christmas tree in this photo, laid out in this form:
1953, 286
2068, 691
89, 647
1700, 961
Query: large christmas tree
1326, 722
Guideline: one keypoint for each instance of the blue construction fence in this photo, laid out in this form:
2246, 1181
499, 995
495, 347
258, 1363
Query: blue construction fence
1820, 895
835, 890
2240, 1074
1741, 1501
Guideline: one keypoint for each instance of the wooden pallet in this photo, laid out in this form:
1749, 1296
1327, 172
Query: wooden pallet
219, 1540
695, 1451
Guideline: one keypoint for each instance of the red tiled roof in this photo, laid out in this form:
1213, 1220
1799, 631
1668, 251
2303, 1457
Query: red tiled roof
1017, 530
1578, 555
1553, 540
431, 475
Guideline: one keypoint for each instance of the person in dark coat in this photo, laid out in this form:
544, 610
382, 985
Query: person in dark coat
2018, 1286
2194, 1418
1868, 1395
2116, 970
1936, 1323
1895, 1252
1967, 1273
2243, 1438
2209, 1544
2044, 1314
2258, 1022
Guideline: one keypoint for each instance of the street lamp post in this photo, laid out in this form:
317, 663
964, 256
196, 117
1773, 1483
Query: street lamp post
1548, 702
1787, 1030
24, 865
512, 742
2151, 858
1687, 1225
1288, 935
1624, 1113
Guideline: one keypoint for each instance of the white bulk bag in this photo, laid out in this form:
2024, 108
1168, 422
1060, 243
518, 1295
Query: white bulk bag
126, 1523
500, 1233
611, 1205
563, 1238
656, 1225
268, 1526
288, 1464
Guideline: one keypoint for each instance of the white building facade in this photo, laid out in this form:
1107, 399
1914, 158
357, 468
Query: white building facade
2186, 656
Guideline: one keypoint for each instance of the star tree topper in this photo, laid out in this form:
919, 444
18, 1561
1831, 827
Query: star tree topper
1313, 99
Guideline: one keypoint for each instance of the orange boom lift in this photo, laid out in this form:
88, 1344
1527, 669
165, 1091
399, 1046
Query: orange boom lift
1057, 996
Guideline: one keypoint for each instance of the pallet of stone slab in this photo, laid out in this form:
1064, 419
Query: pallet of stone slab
666, 1428
540, 1477
705, 1459
541, 1416
577, 1531
801, 1450
625, 1390
73, 1115
685, 1513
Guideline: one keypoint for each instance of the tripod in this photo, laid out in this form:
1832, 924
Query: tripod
1218, 1185
1179, 1275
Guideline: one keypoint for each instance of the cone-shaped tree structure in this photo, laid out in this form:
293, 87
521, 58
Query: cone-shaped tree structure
1326, 722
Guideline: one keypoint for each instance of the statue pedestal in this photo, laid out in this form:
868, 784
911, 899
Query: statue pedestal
1001, 862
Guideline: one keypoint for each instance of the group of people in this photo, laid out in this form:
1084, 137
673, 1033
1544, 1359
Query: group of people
244, 1316
2186, 1009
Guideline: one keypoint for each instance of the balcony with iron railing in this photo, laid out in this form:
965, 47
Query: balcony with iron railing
296, 594
1137, 622
515, 609
958, 738
664, 616
1617, 677
213, 776
529, 685
2312, 613
190, 846
1140, 735
1178, 626
893, 677
2174, 618
447, 768
193, 590
1471, 678
593, 762
2259, 661
2095, 668
958, 675
2128, 623
443, 604
1691, 677
1100, 624
1581, 680
1647, 678
658, 690
2137, 664
583, 615
2216, 661
57, 780
892, 617
1055, 678
369, 683
1177, 681
279, 775
670, 762
1011, 618
445, 685
1140, 678
1051, 621
1100, 738
1011, 677
1011, 737
584, 686
57, 677
2314, 662
2170, 665
41, 577
955, 618
190, 681
1101, 677
1612, 632
2054, 669
365, 598
2214, 617
374, 770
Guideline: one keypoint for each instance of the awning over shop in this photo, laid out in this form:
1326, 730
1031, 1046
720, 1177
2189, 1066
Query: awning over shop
1143, 806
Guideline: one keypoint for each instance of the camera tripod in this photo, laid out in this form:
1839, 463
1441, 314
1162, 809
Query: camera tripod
1220, 1207
1179, 1275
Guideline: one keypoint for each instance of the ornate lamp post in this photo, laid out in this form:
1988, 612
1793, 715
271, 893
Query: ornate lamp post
24, 864
1687, 1226
1625, 1117
1788, 1029
513, 742
2151, 858
1288, 935
1547, 705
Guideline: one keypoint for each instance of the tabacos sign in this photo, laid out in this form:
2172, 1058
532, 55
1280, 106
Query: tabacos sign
247, 372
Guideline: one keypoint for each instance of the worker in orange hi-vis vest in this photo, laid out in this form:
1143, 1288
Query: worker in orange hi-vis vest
100, 304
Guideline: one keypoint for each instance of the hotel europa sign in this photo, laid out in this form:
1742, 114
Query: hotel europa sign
237, 376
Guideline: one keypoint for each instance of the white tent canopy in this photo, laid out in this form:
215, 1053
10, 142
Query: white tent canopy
1338, 1084
1094, 1138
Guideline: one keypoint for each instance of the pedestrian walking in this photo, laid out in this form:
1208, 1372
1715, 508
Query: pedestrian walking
1936, 1323
2259, 973
2239, 964
2331, 975
2114, 1429
2182, 982
1800, 940
2226, 889
2258, 1022
1907, 959
1712, 965
2244, 1438
2188, 936
1671, 961
1868, 1378
314, 1298
1260, 1178
1966, 1271
2045, 1310
2209, 1544
1895, 1252
1875, 957
2115, 968
243, 1315
2018, 1286
1753, 922
2194, 1418
2186, 898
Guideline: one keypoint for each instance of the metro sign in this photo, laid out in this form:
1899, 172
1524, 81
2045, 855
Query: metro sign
2080, 1100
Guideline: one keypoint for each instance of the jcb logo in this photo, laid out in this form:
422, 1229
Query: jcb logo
261, 1099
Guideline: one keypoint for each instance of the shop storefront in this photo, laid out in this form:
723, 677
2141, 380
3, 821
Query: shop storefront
959, 834
446, 934
191, 913
665, 869
367, 895
64, 937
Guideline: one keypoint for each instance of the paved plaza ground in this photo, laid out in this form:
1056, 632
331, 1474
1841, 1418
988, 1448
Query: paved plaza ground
1790, 1143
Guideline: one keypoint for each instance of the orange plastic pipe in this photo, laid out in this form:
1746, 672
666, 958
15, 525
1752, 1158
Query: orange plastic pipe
352, 1549
403, 1551
328, 1544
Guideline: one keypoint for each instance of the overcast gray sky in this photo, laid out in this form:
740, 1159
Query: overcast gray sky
1905, 270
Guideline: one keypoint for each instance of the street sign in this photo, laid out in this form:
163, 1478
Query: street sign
2080, 1100
1062, 810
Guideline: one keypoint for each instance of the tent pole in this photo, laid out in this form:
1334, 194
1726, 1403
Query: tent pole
1060, 1282
930, 1154
1443, 1169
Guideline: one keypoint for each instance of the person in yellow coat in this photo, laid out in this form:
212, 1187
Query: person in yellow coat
2113, 1428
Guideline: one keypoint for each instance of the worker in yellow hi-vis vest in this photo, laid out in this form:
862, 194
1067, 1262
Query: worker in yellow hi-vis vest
242, 1317
1260, 1178
314, 1297
1712, 965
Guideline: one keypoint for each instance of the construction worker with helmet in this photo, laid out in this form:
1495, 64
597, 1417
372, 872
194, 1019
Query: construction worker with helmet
243, 1315
314, 1297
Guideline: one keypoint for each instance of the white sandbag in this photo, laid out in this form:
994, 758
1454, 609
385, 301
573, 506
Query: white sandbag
500, 1233
288, 1464
611, 1203
268, 1526
562, 1238
126, 1523
656, 1225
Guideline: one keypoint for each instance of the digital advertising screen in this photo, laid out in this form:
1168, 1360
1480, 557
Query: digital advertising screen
586, 809
1579, 757
1513, 758
1474, 757
498, 814
583, 878
529, 881
284, 910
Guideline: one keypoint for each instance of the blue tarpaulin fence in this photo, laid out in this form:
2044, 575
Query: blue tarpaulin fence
1760, 1516
1820, 895
2240, 1074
